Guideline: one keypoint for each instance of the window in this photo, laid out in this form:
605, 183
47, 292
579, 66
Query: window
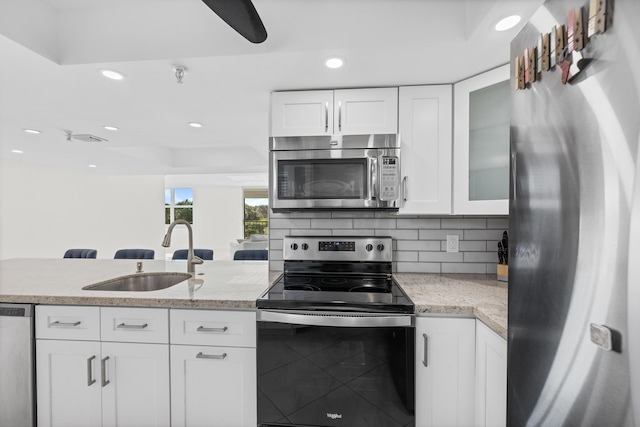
256, 212
178, 204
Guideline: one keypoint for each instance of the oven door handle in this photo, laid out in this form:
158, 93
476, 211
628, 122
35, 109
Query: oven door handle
336, 319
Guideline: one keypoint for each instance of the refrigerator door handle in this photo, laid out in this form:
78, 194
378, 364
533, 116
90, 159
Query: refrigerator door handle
514, 174
633, 294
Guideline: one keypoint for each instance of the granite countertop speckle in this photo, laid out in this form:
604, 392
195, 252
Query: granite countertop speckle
229, 285
481, 296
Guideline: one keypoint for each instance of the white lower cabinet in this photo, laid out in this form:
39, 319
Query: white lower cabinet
213, 386
213, 368
84, 382
491, 378
445, 365
87, 383
68, 383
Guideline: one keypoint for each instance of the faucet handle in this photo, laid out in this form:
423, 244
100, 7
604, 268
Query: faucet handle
139, 267
197, 260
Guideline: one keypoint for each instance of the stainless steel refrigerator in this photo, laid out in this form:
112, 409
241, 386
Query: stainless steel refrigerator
574, 224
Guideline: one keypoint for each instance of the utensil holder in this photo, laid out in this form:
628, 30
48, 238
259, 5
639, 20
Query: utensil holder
503, 272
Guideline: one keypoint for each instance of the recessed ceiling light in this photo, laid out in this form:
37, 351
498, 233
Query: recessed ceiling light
195, 124
92, 166
31, 131
110, 127
111, 74
17, 151
334, 62
507, 23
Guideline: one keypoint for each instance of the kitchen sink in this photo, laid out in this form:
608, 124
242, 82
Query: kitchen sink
140, 282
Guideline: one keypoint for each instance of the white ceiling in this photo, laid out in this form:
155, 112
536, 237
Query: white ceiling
51, 51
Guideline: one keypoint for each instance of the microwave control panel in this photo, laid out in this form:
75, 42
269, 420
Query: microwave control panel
389, 178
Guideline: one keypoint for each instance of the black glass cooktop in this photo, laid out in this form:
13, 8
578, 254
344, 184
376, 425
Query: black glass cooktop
378, 293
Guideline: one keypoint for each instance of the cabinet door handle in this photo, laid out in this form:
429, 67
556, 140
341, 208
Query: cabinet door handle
326, 117
90, 379
103, 366
203, 329
426, 349
211, 356
340, 116
57, 323
125, 326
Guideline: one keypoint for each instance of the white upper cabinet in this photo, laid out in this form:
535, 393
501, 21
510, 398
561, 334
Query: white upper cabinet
365, 111
339, 112
302, 113
481, 144
425, 127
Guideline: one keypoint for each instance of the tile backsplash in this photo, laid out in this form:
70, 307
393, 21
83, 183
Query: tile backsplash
419, 242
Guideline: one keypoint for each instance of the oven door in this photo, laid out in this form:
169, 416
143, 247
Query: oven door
335, 369
335, 179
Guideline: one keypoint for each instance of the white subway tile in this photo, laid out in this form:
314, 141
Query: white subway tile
332, 223
289, 223
353, 232
499, 223
482, 235
486, 257
405, 256
419, 223
464, 223
375, 223
310, 232
466, 246
419, 245
439, 234
351, 214
440, 257
275, 233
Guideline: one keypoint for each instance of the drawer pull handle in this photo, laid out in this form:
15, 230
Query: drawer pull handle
64, 324
211, 356
203, 329
105, 381
90, 379
426, 348
125, 326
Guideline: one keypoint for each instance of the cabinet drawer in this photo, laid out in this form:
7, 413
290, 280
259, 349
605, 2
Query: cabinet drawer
68, 322
143, 325
220, 328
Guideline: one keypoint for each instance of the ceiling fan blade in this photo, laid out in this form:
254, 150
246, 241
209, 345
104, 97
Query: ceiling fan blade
242, 16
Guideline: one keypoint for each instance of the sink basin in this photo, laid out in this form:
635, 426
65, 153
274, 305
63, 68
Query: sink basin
140, 282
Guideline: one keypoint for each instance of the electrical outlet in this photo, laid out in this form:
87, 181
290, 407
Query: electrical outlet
453, 242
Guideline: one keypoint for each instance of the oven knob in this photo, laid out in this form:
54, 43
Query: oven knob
304, 246
380, 247
294, 246
369, 247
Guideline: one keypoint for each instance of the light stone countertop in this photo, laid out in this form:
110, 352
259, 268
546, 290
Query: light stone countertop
229, 285
217, 284
476, 295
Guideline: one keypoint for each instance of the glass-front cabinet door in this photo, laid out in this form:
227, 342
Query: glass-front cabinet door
481, 144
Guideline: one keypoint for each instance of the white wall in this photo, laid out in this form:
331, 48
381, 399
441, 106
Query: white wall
45, 211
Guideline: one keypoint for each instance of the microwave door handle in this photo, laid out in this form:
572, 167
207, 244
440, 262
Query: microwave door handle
373, 178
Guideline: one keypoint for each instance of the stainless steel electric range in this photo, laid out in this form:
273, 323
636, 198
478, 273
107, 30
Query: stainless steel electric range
336, 337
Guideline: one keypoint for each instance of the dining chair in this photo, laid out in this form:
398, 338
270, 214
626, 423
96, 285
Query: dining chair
134, 254
81, 253
251, 254
205, 254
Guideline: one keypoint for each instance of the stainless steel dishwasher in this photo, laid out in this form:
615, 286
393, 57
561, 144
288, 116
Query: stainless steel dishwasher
17, 390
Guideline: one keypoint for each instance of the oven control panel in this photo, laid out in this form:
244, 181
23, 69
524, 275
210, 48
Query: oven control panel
347, 248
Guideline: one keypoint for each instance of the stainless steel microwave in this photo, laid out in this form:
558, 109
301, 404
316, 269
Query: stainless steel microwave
335, 172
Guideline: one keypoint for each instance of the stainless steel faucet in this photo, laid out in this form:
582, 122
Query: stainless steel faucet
192, 260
